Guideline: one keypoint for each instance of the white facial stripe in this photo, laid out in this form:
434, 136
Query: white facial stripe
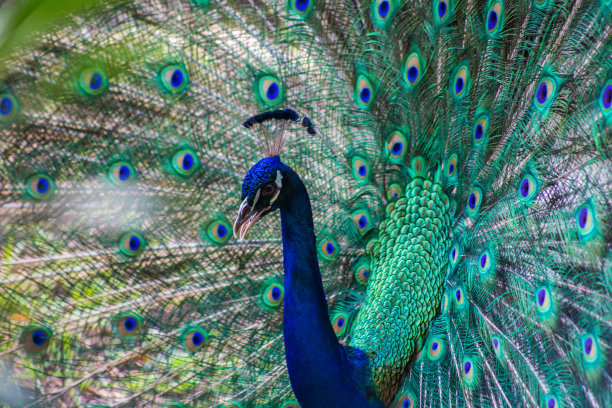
279, 183
256, 198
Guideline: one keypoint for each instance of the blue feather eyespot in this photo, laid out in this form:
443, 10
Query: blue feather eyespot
273, 295
8, 108
93, 81
360, 168
291, 404
382, 11
451, 166
586, 222
496, 342
36, 339
364, 92
362, 272
362, 222
473, 202
468, 371
543, 298
551, 401
270, 90
194, 339
339, 322
460, 82
605, 99
121, 173
454, 255
486, 264
494, 18
435, 349
40, 187
590, 348
302, 8
481, 130
394, 192
174, 78
528, 188
396, 147
405, 401
328, 249
442, 11
127, 325
413, 70
185, 162
545, 93
218, 231
460, 298
132, 244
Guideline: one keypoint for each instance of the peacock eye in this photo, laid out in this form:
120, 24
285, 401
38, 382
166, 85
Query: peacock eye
268, 189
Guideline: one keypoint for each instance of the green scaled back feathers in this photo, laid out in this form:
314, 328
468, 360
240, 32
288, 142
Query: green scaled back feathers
460, 180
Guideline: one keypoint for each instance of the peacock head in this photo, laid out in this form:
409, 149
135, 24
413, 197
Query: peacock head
261, 194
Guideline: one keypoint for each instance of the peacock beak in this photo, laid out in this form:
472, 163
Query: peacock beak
247, 217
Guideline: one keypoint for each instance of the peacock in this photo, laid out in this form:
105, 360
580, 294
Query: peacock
442, 170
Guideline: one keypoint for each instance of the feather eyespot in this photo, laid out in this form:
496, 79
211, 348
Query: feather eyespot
361, 222
174, 78
382, 11
468, 371
291, 404
586, 222
528, 188
127, 324
543, 300
194, 339
396, 147
454, 255
8, 108
485, 263
36, 339
40, 187
93, 81
460, 83
218, 231
435, 350
394, 192
121, 173
328, 249
605, 99
451, 166
551, 401
364, 92
496, 342
132, 244
480, 129
405, 401
459, 298
590, 348
362, 274
302, 8
339, 323
273, 295
494, 18
442, 10
545, 92
184, 162
473, 202
361, 168
270, 90
413, 70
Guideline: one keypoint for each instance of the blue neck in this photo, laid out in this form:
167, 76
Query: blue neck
318, 368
